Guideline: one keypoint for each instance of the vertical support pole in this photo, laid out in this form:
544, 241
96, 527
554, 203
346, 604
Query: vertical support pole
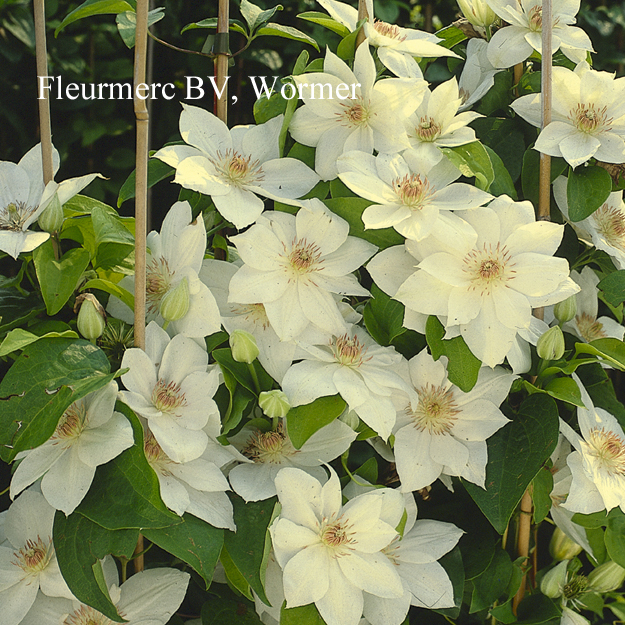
221, 62
141, 188
362, 15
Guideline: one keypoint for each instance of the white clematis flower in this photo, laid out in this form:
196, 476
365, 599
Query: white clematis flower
588, 116
353, 365
168, 385
514, 43
410, 195
605, 228
598, 462
369, 117
147, 598
478, 74
175, 256
445, 432
331, 553
235, 166
435, 124
27, 559
273, 450
487, 275
89, 433
294, 265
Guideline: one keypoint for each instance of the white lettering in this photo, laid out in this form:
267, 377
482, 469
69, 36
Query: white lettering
44, 84
214, 83
72, 87
192, 87
264, 88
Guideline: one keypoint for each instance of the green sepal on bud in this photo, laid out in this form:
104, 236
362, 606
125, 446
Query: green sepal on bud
175, 304
562, 547
553, 582
274, 403
243, 346
550, 345
606, 578
51, 219
91, 316
566, 310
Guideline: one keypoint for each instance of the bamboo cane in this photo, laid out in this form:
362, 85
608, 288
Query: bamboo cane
544, 206
221, 61
362, 15
141, 188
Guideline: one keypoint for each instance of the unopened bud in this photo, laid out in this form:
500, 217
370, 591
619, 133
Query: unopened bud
175, 304
566, 310
51, 219
349, 417
562, 547
550, 345
606, 578
243, 345
478, 12
91, 316
553, 582
274, 403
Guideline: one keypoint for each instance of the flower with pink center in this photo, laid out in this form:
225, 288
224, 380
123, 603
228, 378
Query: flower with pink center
369, 117
235, 166
169, 385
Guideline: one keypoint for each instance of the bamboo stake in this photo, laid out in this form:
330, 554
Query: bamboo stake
45, 127
221, 62
141, 188
362, 15
544, 210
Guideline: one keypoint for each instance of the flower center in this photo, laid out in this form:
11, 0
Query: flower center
586, 118
337, 535
253, 312
86, 615
575, 586
589, 327
271, 447
71, 424
304, 257
238, 170
535, 18
610, 223
412, 191
167, 397
388, 30
158, 280
14, 216
427, 129
156, 457
34, 556
488, 268
609, 449
355, 113
436, 411
349, 351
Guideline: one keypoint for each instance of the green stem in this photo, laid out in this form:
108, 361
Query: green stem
250, 366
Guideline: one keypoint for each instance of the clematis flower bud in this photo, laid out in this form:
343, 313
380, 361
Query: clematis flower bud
606, 578
550, 345
478, 12
274, 403
51, 219
243, 345
175, 304
91, 316
562, 547
553, 582
566, 310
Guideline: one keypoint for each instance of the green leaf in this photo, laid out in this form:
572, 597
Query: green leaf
304, 615
351, 209
303, 421
346, 49
591, 521
227, 611
19, 339
586, 190
286, 32
492, 583
17, 308
79, 545
613, 287
211, 22
157, 171
383, 317
94, 7
537, 609
113, 241
125, 493
498, 97
234, 576
451, 36
530, 173
58, 278
516, 454
610, 350
255, 16
502, 183
326, 21
565, 389
615, 536
542, 485
249, 547
503, 136
463, 367
452, 563
127, 24
267, 108
114, 289
46, 378
241, 371
472, 160
193, 541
